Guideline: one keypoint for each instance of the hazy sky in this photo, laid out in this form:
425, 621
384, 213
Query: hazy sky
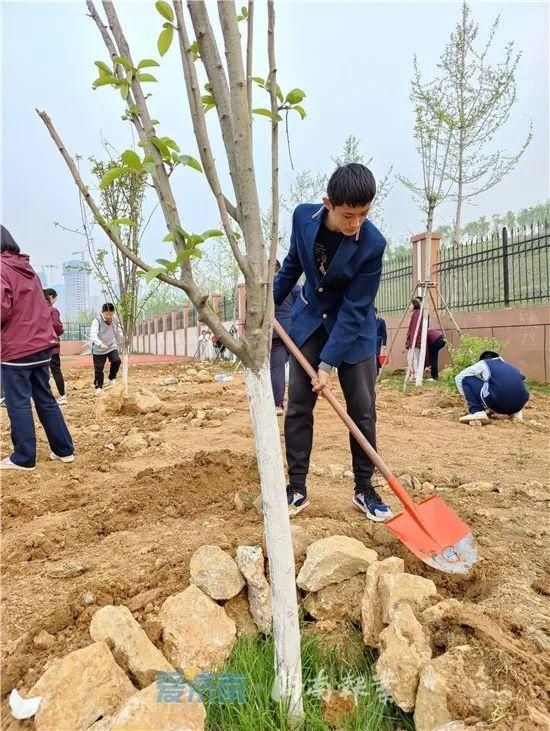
353, 59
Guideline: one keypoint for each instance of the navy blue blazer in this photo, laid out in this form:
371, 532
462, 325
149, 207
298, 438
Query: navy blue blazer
341, 300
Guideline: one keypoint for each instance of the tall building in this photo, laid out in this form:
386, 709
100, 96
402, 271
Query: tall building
77, 289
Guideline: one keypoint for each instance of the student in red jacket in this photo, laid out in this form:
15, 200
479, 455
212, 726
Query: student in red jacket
27, 342
413, 348
55, 363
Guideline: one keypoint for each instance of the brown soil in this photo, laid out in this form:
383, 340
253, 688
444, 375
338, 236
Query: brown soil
114, 526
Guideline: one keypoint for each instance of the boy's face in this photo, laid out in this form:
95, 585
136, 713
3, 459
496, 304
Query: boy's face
346, 219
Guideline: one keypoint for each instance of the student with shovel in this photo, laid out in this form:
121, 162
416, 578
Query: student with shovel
333, 323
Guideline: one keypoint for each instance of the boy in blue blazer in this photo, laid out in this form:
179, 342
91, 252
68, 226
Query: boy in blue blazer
333, 323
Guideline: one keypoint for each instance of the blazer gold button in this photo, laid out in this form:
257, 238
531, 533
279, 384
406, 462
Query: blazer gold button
325, 315
320, 289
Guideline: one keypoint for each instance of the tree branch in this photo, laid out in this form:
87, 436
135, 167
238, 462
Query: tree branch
186, 283
249, 52
201, 135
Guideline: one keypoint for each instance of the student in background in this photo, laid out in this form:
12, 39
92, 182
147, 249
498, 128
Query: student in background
103, 335
434, 342
381, 338
492, 385
55, 362
27, 342
413, 349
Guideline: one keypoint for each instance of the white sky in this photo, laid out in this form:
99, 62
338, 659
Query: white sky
354, 60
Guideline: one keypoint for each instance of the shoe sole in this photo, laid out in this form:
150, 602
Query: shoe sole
16, 468
66, 460
292, 510
374, 519
469, 421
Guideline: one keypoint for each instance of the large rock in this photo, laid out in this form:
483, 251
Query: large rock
239, 611
334, 559
131, 647
371, 609
114, 401
250, 560
79, 689
215, 572
197, 633
395, 588
405, 650
301, 540
456, 685
338, 601
153, 709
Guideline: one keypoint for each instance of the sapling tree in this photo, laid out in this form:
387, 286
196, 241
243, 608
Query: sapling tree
229, 96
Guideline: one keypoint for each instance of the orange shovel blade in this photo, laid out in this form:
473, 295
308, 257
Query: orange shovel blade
449, 546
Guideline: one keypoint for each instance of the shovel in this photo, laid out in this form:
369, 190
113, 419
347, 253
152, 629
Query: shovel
430, 529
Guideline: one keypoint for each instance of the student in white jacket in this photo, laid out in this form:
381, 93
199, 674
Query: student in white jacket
103, 337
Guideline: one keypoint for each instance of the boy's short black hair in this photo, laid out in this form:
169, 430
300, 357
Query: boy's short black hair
49, 292
108, 307
353, 185
488, 354
8, 243
415, 303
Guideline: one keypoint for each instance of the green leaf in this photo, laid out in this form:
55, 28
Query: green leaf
212, 233
124, 222
181, 256
208, 88
169, 237
182, 233
279, 93
165, 39
103, 67
170, 143
190, 162
208, 99
124, 89
258, 80
165, 263
144, 78
153, 273
208, 107
161, 146
131, 158
155, 121
295, 96
105, 81
123, 62
301, 111
244, 11
197, 253
264, 112
237, 235
111, 175
147, 62
195, 239
165, 10
149, 167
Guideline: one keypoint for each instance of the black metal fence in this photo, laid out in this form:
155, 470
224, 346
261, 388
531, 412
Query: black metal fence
76, 331
192, 317
227, 308
396, 284
510, 269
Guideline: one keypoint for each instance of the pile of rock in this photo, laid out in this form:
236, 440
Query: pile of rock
112, 684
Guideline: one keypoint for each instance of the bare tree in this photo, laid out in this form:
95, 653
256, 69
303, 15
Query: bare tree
434, 136
228, 93
476, 99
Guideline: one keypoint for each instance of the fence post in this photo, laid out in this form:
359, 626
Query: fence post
505, 271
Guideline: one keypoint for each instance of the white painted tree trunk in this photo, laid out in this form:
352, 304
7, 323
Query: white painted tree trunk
286, 629
425, 311
125, 366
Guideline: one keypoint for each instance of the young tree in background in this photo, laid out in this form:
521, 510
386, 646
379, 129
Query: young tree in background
476, 99
229, 93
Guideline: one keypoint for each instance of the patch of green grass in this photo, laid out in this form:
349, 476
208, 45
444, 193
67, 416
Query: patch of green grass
538, 387
347, 666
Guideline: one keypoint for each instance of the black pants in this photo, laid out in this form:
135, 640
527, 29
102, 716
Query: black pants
55, 369
277, 362
357, 383
433, 351
99, 365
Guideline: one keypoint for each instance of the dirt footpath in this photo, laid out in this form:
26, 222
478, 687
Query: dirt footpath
120, 523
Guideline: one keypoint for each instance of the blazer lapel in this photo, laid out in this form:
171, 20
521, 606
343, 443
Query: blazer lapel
345, 251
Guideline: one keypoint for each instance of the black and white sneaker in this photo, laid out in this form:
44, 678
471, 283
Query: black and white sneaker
297, 500
370, 503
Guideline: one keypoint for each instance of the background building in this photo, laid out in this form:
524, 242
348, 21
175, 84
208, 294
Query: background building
77, 289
